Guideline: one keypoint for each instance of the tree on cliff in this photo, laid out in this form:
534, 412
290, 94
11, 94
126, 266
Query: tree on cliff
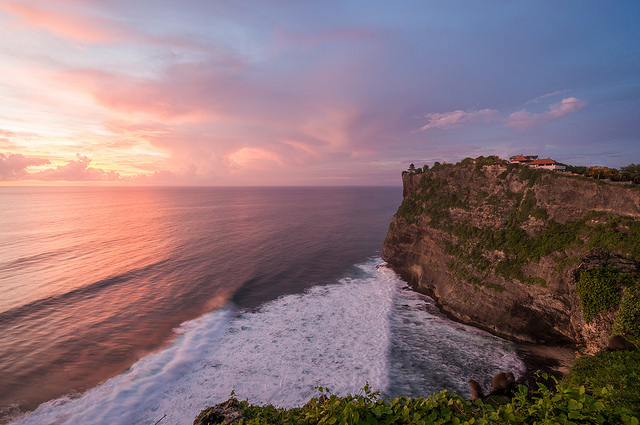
631, 173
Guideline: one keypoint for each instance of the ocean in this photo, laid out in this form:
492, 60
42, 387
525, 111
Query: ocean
123, 305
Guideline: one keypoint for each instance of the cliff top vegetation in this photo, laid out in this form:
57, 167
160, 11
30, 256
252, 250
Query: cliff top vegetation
519, 215
629, 173
500, 225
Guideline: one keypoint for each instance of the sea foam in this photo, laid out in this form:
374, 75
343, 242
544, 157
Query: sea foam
365, 328
335, 336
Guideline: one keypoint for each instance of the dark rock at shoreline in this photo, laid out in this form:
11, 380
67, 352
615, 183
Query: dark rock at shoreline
228, 412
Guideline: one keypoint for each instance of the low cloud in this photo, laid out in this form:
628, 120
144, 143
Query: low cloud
164, 177
524, 119
14, 166
21, 168
450, 119
76, 170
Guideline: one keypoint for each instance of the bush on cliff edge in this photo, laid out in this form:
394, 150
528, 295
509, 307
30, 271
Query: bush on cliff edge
618, 370
564, 404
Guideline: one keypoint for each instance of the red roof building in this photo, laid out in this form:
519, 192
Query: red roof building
520, 159
547, 164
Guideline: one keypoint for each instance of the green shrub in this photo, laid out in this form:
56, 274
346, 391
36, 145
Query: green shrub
409, 209
627, 321
618, 371
599, 289
526, 206
618, 235
563, 404
509, 170
532, 176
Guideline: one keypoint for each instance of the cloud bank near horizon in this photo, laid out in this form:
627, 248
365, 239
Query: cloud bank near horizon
319, 94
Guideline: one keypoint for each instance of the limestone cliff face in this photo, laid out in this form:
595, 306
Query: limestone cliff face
501, 247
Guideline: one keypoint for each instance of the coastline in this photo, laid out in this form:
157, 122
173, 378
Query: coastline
554, 360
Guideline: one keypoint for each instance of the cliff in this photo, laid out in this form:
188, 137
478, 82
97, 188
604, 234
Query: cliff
528, 255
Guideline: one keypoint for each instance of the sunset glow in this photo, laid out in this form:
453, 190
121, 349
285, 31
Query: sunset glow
289, 93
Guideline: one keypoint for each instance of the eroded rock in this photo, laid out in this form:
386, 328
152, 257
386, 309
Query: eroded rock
228, 412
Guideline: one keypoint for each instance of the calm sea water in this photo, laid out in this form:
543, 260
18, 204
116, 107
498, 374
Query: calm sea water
121, 305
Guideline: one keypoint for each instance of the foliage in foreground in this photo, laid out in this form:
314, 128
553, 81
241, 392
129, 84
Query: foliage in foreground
564, 404
619, 370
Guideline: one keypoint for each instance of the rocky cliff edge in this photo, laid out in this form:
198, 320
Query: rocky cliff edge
529, 255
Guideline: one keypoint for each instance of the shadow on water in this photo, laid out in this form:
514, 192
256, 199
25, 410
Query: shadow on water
258, 290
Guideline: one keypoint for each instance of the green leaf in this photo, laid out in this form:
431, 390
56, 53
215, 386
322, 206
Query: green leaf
574, 405
576, 415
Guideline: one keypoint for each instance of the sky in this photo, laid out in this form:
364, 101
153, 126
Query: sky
221, 92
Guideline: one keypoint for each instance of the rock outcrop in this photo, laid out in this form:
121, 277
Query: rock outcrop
502, 247
227, 412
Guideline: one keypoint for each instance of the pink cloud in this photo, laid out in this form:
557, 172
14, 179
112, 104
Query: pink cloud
450, 119
185, 92
76, 170
302, 147
82, 29
520, 120
5, 143
132, 95
187, 175
14, 166
523, 119
255, 158
72, 22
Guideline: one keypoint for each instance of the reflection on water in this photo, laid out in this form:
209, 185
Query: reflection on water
90, 234
92, 279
